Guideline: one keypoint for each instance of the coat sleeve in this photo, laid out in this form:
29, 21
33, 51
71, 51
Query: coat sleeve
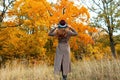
72, 32
52, 32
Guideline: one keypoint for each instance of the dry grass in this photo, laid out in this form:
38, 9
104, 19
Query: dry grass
82, 70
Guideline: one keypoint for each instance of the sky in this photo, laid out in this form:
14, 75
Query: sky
91, 13
77, 2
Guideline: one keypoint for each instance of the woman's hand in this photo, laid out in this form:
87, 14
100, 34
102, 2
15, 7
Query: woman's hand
54, 27
73, 33
51, 33
70, 27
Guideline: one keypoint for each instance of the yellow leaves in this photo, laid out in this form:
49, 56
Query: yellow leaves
11, 42
118, 48
11, 13
34, 12
3, 38
66, 9
86, 39
14, 36
59, 11
20, 43
36, 15
9, 23
77, 17
74, 44
27, 22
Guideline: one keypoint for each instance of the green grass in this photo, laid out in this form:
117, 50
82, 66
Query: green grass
81, 70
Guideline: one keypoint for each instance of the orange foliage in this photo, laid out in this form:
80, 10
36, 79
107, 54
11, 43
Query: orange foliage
31, 20
76, 16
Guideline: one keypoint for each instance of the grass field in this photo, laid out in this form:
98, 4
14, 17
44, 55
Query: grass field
81, 70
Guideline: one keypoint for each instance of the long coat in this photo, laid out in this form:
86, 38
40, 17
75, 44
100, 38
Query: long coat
62, 56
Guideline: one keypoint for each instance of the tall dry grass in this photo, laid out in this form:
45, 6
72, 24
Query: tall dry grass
81, 70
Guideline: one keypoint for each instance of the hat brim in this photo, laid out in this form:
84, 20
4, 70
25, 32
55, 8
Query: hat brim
62, 26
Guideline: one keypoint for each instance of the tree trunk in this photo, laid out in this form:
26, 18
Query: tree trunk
112, 46
1, 16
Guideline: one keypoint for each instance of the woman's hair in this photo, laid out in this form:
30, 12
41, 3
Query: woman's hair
61, 33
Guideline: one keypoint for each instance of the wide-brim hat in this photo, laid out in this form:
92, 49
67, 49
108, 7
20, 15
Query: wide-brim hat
62, 24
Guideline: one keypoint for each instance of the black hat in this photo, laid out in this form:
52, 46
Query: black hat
62, 24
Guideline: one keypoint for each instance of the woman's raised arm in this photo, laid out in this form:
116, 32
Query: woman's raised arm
52, 32
72, 31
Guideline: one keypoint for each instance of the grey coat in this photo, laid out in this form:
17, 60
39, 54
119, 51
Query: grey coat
62, 56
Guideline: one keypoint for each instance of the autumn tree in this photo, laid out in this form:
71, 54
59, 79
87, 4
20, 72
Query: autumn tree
25, 34
107, 18
5, 4
78, 17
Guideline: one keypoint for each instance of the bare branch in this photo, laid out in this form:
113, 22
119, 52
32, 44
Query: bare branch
103, 29
89, 7
98, 5
4, 3
9, 5
5, 9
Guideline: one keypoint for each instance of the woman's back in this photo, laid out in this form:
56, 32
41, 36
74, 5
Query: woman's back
62, 35
62, 57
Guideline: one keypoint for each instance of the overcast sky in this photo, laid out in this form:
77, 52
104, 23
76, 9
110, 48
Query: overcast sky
77, 2
91, 13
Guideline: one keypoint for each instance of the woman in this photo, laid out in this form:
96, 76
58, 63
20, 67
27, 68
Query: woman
62, 58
